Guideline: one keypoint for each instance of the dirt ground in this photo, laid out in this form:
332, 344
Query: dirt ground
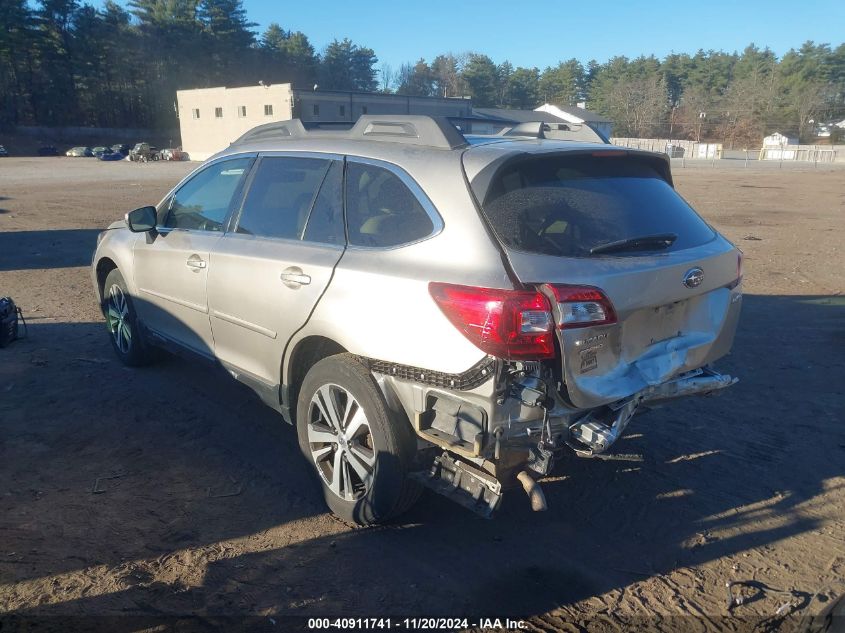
171, 491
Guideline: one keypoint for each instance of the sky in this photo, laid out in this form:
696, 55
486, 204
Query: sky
532, 33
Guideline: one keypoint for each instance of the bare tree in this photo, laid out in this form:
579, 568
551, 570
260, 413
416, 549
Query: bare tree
694, 101
640, 103
447, 69
387, 78
807, 100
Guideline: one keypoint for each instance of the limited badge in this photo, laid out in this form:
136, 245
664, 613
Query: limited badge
588, 360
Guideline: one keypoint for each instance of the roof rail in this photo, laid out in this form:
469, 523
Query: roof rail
277, 130
409, 129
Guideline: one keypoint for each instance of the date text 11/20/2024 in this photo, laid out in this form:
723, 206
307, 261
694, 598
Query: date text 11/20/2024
415, 624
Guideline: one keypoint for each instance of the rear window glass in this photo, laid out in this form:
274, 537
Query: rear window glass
567, 206
381, 210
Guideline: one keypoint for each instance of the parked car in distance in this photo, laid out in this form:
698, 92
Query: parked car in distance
3, 151
99, 150
123, 148
143, 152
79, 152
111, 155
171, 153
430, 309
48, 150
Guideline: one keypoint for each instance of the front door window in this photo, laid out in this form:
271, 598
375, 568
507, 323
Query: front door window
202, 203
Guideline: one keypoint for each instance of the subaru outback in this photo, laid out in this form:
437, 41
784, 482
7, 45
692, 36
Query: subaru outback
430, 309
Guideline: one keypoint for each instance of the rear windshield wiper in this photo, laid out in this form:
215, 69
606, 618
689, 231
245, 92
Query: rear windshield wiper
644, 242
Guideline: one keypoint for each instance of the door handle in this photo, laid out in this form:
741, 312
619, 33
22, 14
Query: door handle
293, 277
195, 262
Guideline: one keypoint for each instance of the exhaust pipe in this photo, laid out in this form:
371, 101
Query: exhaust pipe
533, 490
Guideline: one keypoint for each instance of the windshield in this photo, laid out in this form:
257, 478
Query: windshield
570, 206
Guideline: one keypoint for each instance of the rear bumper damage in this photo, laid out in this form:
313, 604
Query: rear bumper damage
506, 432
596, 433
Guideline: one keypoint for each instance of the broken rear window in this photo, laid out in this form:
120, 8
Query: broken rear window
569, 205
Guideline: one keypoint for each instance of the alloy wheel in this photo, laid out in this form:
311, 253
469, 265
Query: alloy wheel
117, 319
341, 442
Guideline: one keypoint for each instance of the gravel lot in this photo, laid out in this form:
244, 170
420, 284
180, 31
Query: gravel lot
171, 491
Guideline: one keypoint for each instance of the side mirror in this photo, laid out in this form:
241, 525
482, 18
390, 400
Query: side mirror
141, 220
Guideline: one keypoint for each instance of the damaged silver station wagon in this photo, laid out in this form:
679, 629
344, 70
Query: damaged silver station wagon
430, 309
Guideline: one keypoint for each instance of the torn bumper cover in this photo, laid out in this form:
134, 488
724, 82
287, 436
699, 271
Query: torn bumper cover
699, 382
600, 428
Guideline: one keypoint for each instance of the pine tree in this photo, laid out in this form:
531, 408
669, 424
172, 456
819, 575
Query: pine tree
479, 73
346, 66
523, 88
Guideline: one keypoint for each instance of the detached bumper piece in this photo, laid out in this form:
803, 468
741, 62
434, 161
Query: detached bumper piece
699, 382
600, 429
472, 488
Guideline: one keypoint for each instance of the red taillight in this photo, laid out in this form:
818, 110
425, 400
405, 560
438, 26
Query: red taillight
582, 306
738, 279
510, 324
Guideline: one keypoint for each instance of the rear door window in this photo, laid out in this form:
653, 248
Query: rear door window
281, 195
381, 210
325, 223
567, 206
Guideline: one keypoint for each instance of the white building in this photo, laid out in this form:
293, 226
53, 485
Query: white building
211, 118
779, 140
577, 114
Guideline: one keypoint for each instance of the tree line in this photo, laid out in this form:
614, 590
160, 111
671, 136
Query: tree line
64, 62
732, 97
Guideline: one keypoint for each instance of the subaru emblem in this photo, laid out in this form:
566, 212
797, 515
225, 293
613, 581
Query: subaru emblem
693, 277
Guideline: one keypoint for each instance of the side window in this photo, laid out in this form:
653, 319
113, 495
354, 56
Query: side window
325, 224
203, 202
281, 196
381, 210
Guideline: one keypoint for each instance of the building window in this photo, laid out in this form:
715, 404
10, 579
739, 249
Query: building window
268, 110
242, 111
342, 110
218, 113
315, 110
196, 113
363, 109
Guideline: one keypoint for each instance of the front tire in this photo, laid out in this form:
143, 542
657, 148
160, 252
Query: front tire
125, 333
360, 449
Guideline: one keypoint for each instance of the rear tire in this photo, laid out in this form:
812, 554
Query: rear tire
125, 331
361, 450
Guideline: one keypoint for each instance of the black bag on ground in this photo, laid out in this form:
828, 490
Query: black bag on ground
9, 315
